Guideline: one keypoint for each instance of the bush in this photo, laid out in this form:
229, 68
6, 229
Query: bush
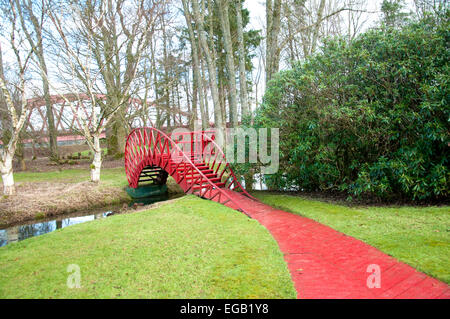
369, 117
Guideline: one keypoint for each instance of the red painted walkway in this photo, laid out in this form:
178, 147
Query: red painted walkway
326, 264
323, 262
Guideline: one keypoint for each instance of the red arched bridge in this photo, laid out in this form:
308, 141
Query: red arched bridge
193, 159
332, 265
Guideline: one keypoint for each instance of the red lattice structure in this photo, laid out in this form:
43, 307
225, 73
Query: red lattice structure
66, 122
37, 119
193, 159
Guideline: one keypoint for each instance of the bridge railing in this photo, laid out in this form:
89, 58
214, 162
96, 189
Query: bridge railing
201, 145
150, 146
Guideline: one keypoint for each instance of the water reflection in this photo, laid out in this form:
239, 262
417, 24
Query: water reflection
21, 232
258, 182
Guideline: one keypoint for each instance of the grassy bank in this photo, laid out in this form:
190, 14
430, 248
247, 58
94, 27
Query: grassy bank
418, 236
45, 194
109, 176
190, 248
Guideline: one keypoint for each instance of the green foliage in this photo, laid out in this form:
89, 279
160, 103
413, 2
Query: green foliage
393, 16
252, 38
369, 117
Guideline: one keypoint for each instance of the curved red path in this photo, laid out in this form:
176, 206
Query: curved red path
325, 263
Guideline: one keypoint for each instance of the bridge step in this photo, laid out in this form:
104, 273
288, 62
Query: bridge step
182, 168
203, 168
174, 163
212, 179
195, 175
209, 173
204, 171
198, 187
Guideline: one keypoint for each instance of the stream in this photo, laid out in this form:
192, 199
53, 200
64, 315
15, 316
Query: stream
32, 228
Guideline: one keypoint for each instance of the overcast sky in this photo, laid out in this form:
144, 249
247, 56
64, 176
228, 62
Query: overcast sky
257, 10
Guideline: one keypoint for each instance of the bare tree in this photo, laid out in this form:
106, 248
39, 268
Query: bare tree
225, 25
118, 33
273, 21
198, 92
305, 23
241, 49
32, 15
199, 19
434, 6
88, 68
205, 91
16, 114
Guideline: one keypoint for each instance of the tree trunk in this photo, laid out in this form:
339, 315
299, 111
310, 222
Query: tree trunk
166, 72
269, 23
52, 131
241, 49
273, 16
97, 162
7, 153
316, 28
198, 84
211, 68
205, 95
221, 88
158, 122
225, 25
195, 100
248, 177
7, 174
117, 132
291, 42
23, 164
20, 155
275, 33
188, 92
38, 46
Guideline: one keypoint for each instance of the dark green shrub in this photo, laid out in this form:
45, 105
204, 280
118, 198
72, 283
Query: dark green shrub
369, 117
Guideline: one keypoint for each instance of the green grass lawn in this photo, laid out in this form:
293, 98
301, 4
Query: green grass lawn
109, 176
190, 248
45, 194
418, 236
